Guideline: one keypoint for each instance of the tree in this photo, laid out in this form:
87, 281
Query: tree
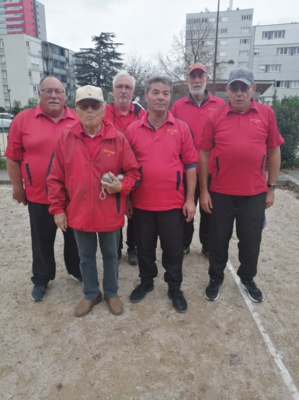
97, 66
287, 115
140, 70
195, 44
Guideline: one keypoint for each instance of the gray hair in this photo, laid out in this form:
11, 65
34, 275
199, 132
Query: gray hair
155, 79
123, 73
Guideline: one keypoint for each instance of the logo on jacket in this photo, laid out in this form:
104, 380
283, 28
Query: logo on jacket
110, 152
172, 131
255, 121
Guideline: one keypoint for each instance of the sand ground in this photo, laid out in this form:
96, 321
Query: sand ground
228, 349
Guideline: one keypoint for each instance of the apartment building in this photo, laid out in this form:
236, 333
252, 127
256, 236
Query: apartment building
271, 51
276, 58
24, 61
234, 38
23, 16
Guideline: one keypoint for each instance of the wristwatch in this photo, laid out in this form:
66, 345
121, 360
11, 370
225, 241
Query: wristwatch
272, 186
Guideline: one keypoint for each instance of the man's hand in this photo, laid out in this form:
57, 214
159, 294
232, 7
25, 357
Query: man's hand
189, 210
61, 221
270, 198
19, 194
113, 187
206, 202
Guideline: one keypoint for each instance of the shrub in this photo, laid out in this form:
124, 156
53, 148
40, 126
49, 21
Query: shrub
287, 115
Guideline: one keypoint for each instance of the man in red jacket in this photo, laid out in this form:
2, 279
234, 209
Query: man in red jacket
32, 138
93, 171
244, 136
122, 112
164, 147
194, 109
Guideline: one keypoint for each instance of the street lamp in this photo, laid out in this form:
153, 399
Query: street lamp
8, 91
215, 54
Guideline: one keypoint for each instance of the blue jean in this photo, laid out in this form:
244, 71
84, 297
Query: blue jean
87, 247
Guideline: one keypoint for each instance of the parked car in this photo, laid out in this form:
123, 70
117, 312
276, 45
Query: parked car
5, 120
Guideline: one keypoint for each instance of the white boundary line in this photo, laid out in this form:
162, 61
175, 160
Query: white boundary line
277, 358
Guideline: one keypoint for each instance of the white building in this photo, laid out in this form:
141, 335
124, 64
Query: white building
276, 58
24, 61
271, 51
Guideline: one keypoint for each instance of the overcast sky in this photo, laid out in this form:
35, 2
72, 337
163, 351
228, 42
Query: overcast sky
146, 28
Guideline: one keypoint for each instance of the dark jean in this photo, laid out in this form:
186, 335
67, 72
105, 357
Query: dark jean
168, 226
43, 234
87, 246
249, 214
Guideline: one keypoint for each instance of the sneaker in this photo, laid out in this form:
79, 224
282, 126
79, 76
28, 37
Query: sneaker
115, 305
254, 293
178, 300
141, 291
212, 290
186, 250
77, 279
132, 256
39, 293
205, 251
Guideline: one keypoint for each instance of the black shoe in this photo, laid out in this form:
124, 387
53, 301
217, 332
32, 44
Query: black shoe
141, 291
186, 250
38, 293
254, 293
132, 256
212, 290
178, 300
205, 251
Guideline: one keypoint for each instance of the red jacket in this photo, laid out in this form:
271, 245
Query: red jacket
74, 182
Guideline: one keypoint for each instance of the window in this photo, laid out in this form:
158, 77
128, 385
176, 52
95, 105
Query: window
247, 17
244, 41
222, 54
27, 43
273, 34
290, 51
244, 53
287, 84
222, 42
224, 19
273, 68
223, 30
256, 52
245, 29
243, 64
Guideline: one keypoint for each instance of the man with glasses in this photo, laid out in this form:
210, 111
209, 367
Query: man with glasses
122, 112
244, 137
88, 193
194, 109
32, 138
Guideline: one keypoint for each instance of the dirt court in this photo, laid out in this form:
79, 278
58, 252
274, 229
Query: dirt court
228, 349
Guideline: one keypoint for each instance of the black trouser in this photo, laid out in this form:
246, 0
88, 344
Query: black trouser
249, 213
203, 224
168, 226
43, 233
131, 242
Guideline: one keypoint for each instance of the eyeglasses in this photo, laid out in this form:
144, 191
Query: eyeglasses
236, 87
50, 91
85, 106
121, 87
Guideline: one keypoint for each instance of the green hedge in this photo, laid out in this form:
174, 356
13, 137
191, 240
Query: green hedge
287, 115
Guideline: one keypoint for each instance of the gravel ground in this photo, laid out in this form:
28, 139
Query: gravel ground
228, 349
